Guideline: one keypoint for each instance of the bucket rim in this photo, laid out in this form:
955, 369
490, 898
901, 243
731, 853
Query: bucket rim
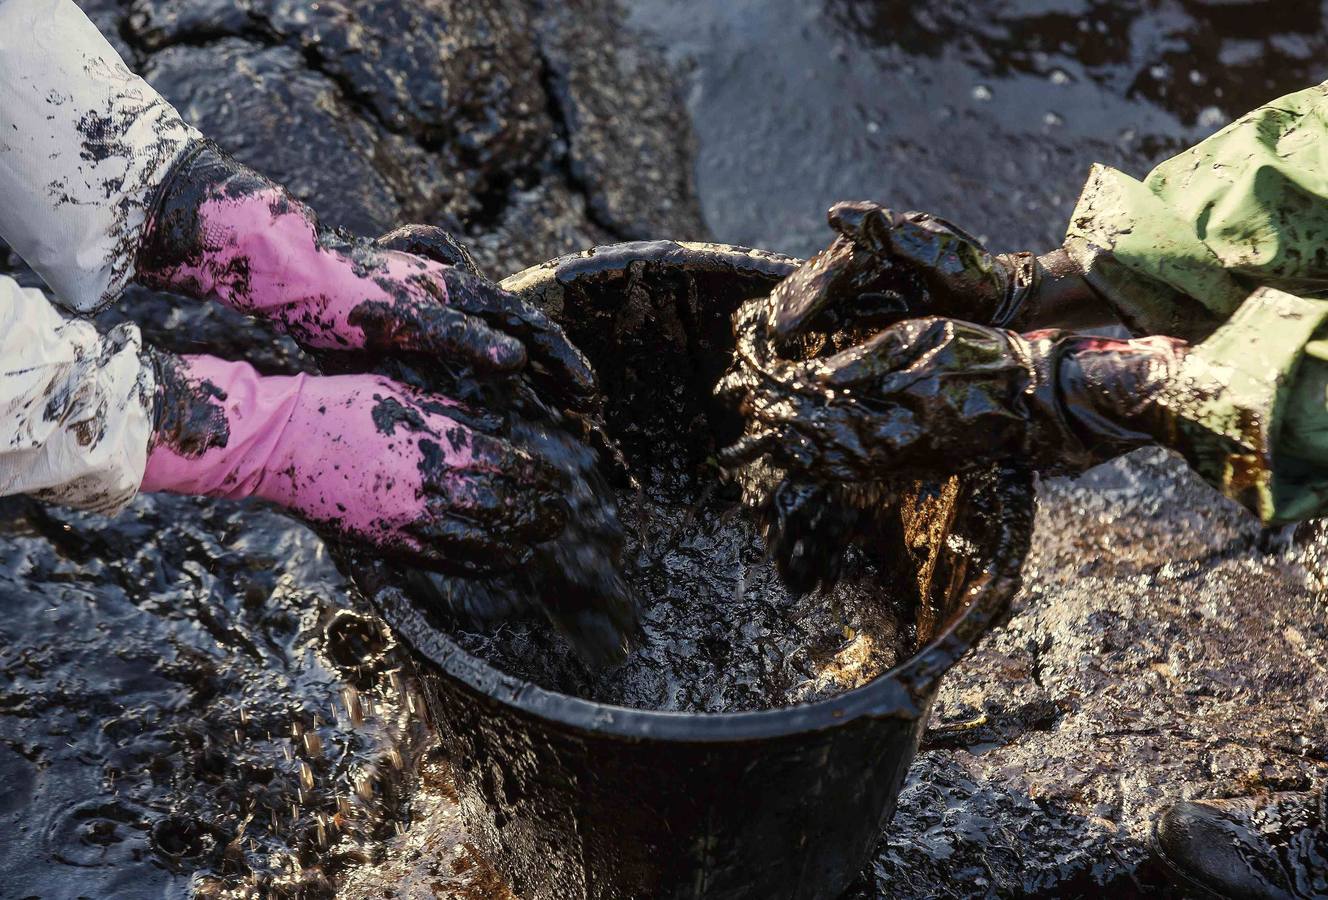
901, 692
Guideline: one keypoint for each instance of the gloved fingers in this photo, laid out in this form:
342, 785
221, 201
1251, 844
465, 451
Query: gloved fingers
486, 519
892, 361
519, 511
454, 542
742, 382
413, 406
801, 298
478, 421
843, 286
749, 448
438, 329
831, 451
502, 494
493, 454
957, 271
828, 443
882, 267
822, 388
917, 237
882, 354
430, 242
822, 433
940, 267
807, 532
559, 365
864, 223
564, 369
888, 360
504, 486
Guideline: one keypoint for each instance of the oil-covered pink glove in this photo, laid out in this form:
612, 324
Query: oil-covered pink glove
357, 456
221, 231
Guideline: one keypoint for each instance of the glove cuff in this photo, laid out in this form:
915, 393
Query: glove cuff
1023, 274
1092, 399
1217, 403
172, 254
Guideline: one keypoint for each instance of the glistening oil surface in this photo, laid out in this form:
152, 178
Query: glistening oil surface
721, 632
1153, 619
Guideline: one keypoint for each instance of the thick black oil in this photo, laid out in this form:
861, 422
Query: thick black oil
720, 631
123, 640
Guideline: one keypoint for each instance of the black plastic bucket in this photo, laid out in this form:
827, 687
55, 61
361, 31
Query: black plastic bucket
571, 798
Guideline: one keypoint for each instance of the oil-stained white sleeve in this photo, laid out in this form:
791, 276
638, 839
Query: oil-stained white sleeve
84, 144
75, 405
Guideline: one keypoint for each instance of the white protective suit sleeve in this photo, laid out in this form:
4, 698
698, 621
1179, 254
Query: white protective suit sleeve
75, 405
84, 144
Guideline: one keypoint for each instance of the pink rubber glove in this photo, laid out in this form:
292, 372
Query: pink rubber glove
220, 231
358, 456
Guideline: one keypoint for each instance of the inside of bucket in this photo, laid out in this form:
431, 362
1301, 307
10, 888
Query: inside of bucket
721, 631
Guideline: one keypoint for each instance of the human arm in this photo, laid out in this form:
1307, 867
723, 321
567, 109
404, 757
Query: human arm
932, 396
1180, 251
90, 419
1177, 254
84, 146
76, 406
103, 184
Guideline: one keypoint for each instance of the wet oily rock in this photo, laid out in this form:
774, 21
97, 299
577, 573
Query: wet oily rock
467, 115
247, 94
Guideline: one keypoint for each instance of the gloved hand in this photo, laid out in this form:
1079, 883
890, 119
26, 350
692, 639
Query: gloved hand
827, 439
575, 579
936, 396
931, 397
221, 231
826, 436
905, 264
358, 456
913, 264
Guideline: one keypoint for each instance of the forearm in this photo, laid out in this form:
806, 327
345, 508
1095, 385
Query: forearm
1247, 407
102, 184
220, 231
84, 145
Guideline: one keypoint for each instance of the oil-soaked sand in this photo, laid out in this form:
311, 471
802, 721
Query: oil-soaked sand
1162, 647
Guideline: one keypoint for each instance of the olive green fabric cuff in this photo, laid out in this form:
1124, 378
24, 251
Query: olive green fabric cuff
1147, 261
1302, 443
1229, 403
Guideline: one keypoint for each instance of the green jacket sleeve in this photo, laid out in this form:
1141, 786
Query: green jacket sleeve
1181, 251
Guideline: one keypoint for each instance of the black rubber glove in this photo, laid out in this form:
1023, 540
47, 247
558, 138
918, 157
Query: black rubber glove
908, 263
931, 397
913, 264
827, 437
838, 406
